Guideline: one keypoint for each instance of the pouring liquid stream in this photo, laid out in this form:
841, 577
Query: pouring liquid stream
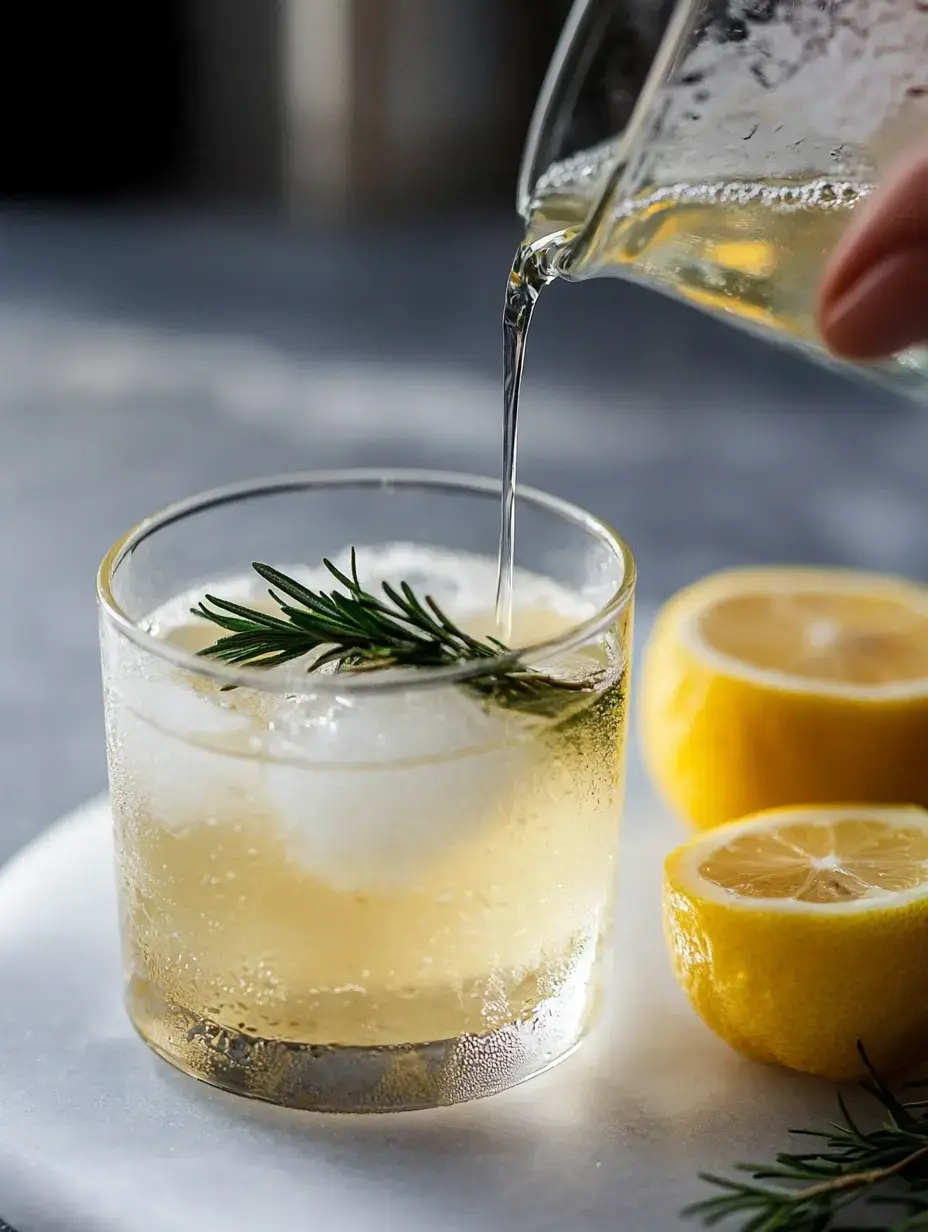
529, 274
567, 215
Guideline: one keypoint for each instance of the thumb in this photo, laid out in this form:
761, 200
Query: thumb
873, 300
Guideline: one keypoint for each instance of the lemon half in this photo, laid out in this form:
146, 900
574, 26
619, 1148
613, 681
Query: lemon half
766, 687
797, 932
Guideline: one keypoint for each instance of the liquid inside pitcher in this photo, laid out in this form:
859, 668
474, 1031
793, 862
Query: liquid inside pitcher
717, 149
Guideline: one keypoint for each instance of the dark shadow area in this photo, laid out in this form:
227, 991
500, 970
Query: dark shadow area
92, 100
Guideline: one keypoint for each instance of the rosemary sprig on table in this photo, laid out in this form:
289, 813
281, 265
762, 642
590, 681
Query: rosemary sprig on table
355, 631
885, 1168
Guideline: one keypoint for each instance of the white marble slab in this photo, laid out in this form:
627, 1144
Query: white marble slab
98, 1134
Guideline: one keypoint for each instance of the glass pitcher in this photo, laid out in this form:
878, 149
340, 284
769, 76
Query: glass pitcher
716, 150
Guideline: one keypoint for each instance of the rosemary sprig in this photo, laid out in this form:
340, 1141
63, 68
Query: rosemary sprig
883, 1168
356, 631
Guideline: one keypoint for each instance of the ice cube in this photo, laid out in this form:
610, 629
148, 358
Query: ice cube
375, 787
181, 750
367, 788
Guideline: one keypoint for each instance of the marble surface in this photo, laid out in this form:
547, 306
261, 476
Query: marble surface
99, 1135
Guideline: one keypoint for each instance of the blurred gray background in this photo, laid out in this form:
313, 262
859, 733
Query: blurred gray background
244, 236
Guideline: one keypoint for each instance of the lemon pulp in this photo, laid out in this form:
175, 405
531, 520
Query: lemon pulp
844, 860
836, 636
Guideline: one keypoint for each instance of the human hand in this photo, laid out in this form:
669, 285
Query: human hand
873, 300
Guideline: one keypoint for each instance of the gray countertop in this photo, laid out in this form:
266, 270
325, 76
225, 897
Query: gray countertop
144, 359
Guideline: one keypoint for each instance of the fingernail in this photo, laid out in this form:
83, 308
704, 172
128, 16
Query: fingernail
883, 312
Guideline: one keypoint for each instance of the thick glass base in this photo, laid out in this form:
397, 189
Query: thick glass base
342, 1078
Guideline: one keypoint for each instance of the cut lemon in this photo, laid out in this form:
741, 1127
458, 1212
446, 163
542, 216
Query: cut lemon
797, 932
764, 687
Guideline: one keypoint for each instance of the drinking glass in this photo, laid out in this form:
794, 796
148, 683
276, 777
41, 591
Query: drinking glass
364, 891
716, 150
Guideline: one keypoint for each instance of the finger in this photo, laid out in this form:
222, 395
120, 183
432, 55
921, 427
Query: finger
893, 220
884, 311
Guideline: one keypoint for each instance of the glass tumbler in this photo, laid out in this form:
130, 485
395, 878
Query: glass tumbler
365, 891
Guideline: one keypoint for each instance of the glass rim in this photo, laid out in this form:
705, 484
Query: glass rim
361, 477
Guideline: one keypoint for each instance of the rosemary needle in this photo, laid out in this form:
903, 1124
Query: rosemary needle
354, 630
883, 1169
